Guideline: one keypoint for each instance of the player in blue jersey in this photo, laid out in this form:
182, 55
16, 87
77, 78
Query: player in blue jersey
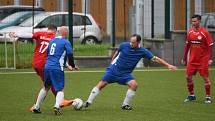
59, 50
123, 63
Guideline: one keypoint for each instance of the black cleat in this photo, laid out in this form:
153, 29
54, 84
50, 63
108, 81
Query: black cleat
37, 111
208, 100
86, 104
57, 111
190, 98
126, 107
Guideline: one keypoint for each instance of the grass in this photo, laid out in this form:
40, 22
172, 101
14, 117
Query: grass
159, 98
24, 53
91, 50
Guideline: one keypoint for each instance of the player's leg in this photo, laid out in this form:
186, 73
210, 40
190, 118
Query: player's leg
129, 94
42, 94
190, 85
94, 92
57, 79
107, 78
58, 101
205, 76
40, 72
190, 88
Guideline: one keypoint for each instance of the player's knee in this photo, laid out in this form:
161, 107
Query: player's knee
101, 84
189, 79
133, 85
207, 81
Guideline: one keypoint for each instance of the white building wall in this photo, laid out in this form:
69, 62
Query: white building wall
147, 18
109, 2
16, 2
159, 18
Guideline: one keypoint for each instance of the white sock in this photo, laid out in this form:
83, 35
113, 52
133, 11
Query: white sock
95, 91
41, 96
130, 93
59, 98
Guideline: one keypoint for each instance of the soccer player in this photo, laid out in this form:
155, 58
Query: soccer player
42, 41
199, 43
59, 50
123, 63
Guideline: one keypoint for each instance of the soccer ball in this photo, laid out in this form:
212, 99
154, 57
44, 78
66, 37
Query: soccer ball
77, 104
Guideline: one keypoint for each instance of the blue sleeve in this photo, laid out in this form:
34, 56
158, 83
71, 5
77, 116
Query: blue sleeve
68, 47
120, 47
148, 54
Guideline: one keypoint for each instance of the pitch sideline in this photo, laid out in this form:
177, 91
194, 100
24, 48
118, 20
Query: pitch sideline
145, 70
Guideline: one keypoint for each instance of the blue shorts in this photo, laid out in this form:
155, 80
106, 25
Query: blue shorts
109, 77
54, 78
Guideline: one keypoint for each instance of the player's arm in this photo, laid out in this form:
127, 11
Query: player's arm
210, 55
186, 50
163, 62
71, 64
21, 35
115, 55
210, 44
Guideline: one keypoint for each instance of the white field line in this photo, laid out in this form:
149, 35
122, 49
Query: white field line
102, 71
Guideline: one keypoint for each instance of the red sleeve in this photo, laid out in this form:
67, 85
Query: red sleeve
186, 47
186, 50
209, 43
210, 52
209, 38
36, 35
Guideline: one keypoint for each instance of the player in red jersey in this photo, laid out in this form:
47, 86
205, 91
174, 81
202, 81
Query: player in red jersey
39, 59
199, 43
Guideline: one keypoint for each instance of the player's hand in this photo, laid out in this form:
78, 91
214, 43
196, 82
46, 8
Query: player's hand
171, 67
210, 62
72, 69
183, 62
76, 68
12, 34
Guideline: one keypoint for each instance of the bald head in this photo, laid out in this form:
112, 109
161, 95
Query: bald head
63, 31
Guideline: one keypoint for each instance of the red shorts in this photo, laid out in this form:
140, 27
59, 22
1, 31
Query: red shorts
192, 70
39, 71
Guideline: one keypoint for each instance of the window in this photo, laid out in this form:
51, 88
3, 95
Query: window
57, 20
211, 22
79, 20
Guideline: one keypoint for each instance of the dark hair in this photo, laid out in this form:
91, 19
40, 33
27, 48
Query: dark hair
197, 16
52, 27
137, 36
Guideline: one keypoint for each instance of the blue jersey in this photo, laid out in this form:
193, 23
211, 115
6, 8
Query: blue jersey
57, 52
127, 58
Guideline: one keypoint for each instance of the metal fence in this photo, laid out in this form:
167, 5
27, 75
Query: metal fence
15, 54
162, 24
7, 54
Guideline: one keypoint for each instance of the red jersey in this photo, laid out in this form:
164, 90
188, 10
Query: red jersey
199, 42
42, 42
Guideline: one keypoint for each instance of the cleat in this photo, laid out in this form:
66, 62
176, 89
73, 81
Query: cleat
86, 104
126, 107
190, 98
66, 103
57, 111
34, 110
37, 111
207, 100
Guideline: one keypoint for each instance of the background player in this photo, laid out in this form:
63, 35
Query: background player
59, 50
123, 63
199, 43
42, 41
